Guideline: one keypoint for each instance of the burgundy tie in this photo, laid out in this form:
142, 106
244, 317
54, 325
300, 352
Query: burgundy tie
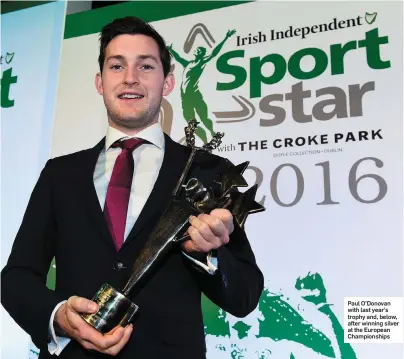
118, 192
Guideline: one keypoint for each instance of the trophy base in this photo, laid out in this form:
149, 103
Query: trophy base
113, 309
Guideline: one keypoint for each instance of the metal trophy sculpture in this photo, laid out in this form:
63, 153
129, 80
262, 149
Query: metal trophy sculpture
115, 307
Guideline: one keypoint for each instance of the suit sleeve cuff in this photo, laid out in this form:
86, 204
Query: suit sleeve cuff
56, 343
210, 266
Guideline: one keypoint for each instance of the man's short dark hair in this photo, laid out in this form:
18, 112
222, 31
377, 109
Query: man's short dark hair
132, 25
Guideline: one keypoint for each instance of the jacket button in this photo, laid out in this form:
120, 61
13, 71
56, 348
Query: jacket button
118, 266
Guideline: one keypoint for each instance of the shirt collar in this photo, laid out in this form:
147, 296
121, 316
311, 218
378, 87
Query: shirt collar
153, 134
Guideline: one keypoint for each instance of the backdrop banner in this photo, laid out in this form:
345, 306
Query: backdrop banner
30, 55
311, 94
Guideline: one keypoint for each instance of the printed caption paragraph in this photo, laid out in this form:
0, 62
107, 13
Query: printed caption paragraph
373, 320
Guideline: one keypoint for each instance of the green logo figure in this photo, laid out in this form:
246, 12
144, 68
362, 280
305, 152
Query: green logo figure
313, 286
191, 97
278, 321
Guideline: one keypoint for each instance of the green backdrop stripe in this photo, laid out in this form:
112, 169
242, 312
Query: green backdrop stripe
10, 6
90, 22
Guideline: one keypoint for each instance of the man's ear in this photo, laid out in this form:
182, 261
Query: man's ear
98, 83
169, 84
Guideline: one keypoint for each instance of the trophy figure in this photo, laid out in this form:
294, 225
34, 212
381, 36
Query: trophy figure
115, 307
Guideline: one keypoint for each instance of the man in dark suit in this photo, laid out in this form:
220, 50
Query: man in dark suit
82, 213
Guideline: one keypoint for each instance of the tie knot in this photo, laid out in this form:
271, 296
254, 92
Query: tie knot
129, 144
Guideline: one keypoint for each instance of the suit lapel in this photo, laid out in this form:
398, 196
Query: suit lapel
175, 157
88, 193
174, 160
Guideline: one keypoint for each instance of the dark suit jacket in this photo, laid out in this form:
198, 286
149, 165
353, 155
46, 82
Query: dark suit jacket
64, 220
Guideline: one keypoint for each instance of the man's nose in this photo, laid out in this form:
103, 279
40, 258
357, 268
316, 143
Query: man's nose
131, 77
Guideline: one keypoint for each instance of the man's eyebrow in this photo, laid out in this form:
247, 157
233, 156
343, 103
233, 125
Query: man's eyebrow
115, 57
147, 57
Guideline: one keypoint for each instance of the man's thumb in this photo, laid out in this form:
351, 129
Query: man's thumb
83, 305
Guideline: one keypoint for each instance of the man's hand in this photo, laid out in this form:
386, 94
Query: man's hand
68, 320
209, 231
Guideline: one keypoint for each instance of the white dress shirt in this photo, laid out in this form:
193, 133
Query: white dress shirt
148, 159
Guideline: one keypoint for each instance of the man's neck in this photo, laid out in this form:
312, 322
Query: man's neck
130, 131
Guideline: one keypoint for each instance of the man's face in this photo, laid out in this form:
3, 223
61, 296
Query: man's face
132, 82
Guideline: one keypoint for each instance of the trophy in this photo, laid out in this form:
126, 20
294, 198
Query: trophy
115, 307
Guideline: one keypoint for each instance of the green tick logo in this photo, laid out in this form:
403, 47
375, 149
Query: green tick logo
9, 57
370, 17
